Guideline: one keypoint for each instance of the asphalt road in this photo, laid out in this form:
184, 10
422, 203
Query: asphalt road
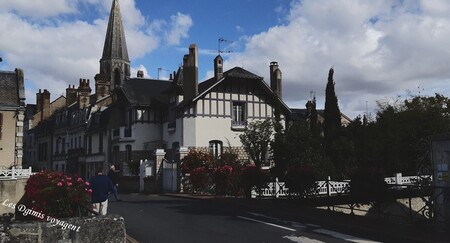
160, 219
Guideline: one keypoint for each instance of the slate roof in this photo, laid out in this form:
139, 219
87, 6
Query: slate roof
300, 114
11, 88
139, 91
236, 72
115, 46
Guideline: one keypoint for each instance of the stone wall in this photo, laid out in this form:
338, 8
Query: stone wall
11, 190
109, 228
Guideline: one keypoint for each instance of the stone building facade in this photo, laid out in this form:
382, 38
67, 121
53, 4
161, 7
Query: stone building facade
12, 114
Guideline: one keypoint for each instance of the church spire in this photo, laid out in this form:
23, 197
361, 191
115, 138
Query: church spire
115, 45
115, 63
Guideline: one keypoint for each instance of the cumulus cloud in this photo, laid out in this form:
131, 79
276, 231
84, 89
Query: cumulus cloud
39, 8
378, 49
56, 43
178, 28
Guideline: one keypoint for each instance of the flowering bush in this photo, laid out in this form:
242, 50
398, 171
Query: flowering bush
195, 159
221, 177
200, 178
56, 194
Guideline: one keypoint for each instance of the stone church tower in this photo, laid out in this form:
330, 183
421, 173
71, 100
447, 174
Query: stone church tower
114, 64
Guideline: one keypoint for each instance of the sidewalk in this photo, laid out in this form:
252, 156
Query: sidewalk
378, 228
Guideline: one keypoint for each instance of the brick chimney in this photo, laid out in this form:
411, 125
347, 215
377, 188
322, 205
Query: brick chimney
140, 74
43, 103
218, 67
275, 79
71, 95
84, 93
190, 73
102, 85
39, 101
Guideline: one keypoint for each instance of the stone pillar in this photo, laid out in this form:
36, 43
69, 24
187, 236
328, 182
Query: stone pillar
160, 154
182, 152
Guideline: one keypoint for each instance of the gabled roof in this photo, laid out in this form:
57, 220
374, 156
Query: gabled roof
12, 88
236, 72
139, 91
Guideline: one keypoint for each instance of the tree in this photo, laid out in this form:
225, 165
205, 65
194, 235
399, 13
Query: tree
392, 140
312, 117
401, 127
256, 139
297, 146
332, 114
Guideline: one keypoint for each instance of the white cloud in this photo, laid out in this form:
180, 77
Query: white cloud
378, 49
56, 44
39, 8
172, 31
178, 28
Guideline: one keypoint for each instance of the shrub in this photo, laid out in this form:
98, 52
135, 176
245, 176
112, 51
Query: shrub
56, 194
368, 185
301, 180
254, 177
195, 159
134, 166
221, 176
199, 178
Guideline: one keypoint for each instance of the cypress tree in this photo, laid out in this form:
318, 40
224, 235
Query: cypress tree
332, 114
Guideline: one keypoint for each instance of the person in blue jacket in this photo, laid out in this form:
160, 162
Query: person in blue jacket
101, 186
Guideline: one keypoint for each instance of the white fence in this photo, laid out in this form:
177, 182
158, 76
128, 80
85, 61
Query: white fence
278, 189
15, 173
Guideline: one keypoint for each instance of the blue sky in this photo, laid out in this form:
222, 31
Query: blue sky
380, 49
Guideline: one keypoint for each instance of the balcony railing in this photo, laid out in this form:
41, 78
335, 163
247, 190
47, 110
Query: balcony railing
238, 125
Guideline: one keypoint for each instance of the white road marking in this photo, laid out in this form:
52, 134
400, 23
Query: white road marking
267, 223
343, 236
262, 215
301, 239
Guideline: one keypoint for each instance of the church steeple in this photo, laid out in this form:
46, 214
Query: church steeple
114, 64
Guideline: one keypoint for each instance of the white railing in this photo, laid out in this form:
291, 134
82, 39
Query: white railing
278, 189
15, 173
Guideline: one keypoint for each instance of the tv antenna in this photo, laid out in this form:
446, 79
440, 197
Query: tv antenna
161, 69
219, 49
312, 95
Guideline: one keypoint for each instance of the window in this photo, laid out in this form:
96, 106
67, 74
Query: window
117, 80
239, 117
142, 115
215, 148
100, 143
